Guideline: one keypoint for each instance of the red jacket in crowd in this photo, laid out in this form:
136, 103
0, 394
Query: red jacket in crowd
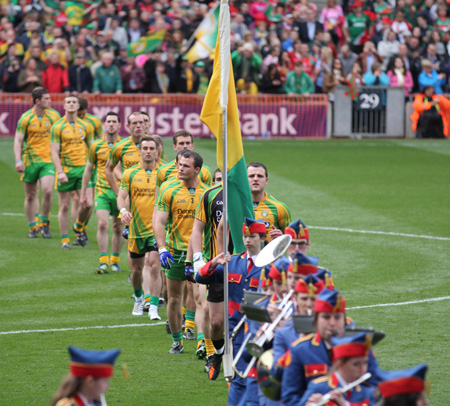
55, 79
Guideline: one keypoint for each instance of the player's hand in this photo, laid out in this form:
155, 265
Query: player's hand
165, 257
83, 201
189, 271
126, 218
221, 259
20, 167
198, 261
62, 178
275, 233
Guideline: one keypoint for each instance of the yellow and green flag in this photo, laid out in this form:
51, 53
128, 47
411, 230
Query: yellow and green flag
146, 44
240, 203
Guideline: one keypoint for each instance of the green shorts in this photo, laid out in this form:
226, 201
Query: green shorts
34, 172
107, 201
93, 179
75, 176
138, 247
177, 268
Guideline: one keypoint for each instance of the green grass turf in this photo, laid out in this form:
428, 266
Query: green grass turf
378, 185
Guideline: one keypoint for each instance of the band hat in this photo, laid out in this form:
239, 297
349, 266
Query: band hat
325, 276
264, 279
98, 364
279, 269
253, 226
403, 381
297, 230
353, 346
305, 265
310, 284
329, 301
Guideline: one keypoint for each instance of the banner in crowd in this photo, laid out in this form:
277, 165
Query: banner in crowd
260, 115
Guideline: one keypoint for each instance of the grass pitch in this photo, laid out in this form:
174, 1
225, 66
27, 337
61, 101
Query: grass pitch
384, 186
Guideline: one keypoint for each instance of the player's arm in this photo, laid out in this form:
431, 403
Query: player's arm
159, 223
220, 235
109, 174
18, 146
55, 149
117, 171
123, 206
84, 183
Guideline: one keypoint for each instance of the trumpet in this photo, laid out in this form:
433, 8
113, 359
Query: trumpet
346, 388
264, 335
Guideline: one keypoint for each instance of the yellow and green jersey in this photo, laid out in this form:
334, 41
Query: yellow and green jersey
95, 123
73, 139
169, 170
210, 211
274, 213
180, 202
127, 153
36, 131
141, 187
98, 156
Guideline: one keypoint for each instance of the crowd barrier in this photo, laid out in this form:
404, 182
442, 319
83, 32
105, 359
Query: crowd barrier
260, 115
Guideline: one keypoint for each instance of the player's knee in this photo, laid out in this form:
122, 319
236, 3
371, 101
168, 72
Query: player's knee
64, 206
117, 228
216, 322
102, 226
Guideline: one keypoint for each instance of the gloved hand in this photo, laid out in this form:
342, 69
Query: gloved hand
198, 261
165, 257
189, 271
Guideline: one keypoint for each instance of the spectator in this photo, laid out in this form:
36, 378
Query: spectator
298, 82
438, 63
347, 57
355, 75
441, 51
332, 19
62, 49
400, 26
133, 76
238, 27
301, 9
376, 77
430, 77
388, 47
55, 77
35, 52
134, 30
31, 34
429, 117
29, 78
358, 28
10, 75
307, 29
336, 77
323, 66
271, 81
103, 45
202, 77
368, 57
161, 83
308, 62
80, 76
272, 58
10, 40
246, 86
246, 63
442, 22
107, 77
285, 65
400, 77
119, 33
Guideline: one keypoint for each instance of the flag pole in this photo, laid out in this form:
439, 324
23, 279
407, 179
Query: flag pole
225, 61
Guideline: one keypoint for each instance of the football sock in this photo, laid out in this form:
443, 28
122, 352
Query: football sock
209, 346
103, 258
65, 238
190, 319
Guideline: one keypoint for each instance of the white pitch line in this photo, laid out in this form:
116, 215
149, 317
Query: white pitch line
79, 328
433, 299
350, 230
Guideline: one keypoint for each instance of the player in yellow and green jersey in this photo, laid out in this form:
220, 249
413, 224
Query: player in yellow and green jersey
33, 160
274, 213
105, 199
136, 202
69, 138
181, 140
81, 216
176, 206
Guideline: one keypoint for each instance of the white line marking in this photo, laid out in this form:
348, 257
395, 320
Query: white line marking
350, 230
79, 328
433, 299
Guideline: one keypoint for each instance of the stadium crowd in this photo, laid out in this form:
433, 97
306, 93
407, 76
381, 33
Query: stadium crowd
285, 47
174, 239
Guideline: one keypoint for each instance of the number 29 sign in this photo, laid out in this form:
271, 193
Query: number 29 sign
370, 100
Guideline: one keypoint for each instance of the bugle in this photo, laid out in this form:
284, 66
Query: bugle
325, 399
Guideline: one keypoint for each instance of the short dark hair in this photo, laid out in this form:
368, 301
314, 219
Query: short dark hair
147, 139
198, 160
215, 173
182, 133
83, 103
112, 113
144, 113
180, 153
258, 165
37, 93
68, 96
158, 139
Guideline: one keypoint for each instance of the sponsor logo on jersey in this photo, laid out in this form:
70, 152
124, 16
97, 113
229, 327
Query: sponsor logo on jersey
181, 201
138, 180
264, 213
